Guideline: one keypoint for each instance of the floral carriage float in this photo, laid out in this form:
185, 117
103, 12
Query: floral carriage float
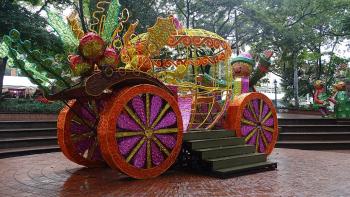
136, 95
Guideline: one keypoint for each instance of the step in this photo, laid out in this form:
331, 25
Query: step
218, 142
317, 145
205, 134
314, 136
233, 161
27, 141
209, 153
28, 132
245, 169
314, 128
307, 121
343, 121
13, 152
27, 124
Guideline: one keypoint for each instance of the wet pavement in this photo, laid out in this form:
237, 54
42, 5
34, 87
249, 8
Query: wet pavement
300, 173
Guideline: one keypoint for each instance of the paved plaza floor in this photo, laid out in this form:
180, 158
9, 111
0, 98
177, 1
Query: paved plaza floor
300, 173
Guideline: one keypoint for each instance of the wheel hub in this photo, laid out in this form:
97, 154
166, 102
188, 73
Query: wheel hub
149, 133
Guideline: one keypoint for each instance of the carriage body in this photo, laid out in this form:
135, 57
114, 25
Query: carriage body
133, 118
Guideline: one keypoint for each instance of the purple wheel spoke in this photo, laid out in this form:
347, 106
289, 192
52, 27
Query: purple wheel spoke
168, 120
248, 115
261, 145
246, 129
76, 128
83, 145
268, 136
269, 122
157, 156
139, 159
252, 140
124, 121
127, 144
266, 110
139, 107
156, 105
168, 140
255, 104
86, 114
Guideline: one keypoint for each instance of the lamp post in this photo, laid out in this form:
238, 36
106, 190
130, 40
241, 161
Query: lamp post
275, 83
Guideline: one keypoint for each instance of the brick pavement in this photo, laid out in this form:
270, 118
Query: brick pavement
300, 173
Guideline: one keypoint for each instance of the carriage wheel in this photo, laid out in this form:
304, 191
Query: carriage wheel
255, 119
76, 132
140, 131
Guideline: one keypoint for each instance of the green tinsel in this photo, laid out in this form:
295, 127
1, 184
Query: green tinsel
70, 42
111, 21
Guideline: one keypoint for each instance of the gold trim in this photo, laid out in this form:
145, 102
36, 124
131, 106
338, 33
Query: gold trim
166, 107
149, 158
250, 135
161, 146
248, 122
166, 131
135, 117
266, 117
135, 149
128, 134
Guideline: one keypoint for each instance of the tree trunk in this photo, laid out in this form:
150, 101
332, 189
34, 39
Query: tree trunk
295, 79
188, 14
81, 16
319, 62
3, 63
236, 34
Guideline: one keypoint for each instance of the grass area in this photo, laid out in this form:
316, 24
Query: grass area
28, 106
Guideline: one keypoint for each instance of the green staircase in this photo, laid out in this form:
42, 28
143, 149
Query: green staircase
219, 153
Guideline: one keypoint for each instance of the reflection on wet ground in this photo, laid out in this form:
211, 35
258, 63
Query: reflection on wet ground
300, 173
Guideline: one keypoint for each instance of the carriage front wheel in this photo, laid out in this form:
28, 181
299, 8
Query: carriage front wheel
253, 116
140, 131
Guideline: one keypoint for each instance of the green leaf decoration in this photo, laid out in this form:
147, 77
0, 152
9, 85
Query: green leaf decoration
111, 21
7, 40
70, 42
15, 35
86, 9
36, 66
3, 50
27, 44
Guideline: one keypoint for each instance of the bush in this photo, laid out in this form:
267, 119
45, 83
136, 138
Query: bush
29, 106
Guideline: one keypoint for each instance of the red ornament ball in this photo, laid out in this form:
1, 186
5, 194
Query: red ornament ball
79, 66
110, 58
91, 46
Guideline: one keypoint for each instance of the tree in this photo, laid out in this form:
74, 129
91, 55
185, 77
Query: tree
290, 27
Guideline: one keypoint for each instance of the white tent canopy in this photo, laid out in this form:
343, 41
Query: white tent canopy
14, 85
17, 82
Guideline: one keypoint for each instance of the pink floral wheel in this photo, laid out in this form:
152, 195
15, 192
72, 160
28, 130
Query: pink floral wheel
140, 131
76, 131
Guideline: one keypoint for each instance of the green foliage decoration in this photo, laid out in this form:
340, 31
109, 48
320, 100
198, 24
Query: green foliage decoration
111, 21
38, 68
70, 42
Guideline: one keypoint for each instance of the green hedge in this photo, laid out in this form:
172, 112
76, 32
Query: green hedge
29, 106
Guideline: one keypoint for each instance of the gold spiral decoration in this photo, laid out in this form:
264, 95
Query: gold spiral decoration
75, 25
100, 9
